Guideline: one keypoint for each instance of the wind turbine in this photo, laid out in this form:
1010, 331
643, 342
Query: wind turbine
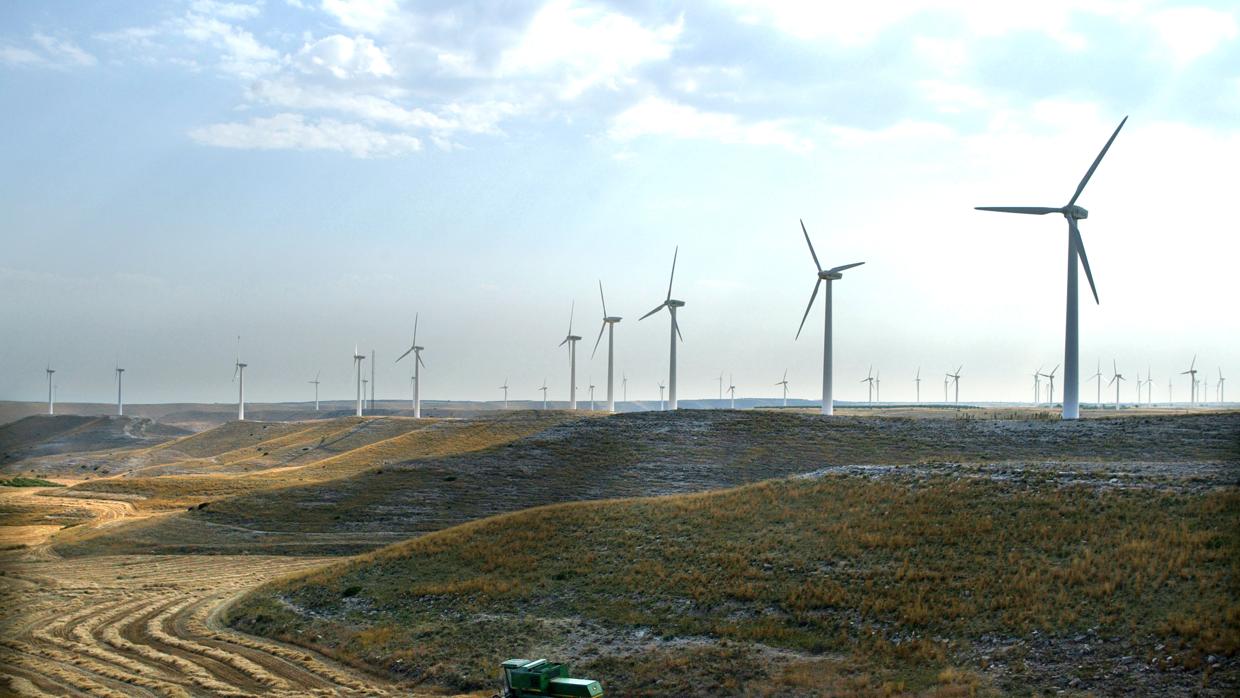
418, 364
956, 379
721, 386
544, 391
504, 388
591, 381
878, 386
1139, 384
917, 380
732, 390
372, 381
869, 378
784, 383
828, 275
1117, 378
1098, 377
1076, 248
946, 382
1221, 394
671, 306
366, 382
357, 362
239, 377
1192, 374
51, 397
661, 387
624, 386
316, 391
120, 404
571, 340
1051, 377
1037, 386
609, 324
1149, 382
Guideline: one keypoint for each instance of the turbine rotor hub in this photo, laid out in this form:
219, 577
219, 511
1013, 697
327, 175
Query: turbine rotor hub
675, 304
612, 319
1076, 212
828, 276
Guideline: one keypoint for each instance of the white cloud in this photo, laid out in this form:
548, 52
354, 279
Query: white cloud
47, 52
1191, 32
586, 46
362, 15
294, 132
241, 53
227, 10
345, 57
655, 116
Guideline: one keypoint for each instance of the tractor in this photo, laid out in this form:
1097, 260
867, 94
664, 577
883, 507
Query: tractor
524, 678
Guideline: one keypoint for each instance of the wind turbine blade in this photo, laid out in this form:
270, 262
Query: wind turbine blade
600, 335
958, 370
1114, 369
1194, 364
403, 355
1085, 180
415, 330
601, 298
812, 296
420, 360
835, 270
786, 373
571, 309
1112, 381
676, 326
652, 312
562, 343
1034, 210
1080, 251
673, 276
811, 245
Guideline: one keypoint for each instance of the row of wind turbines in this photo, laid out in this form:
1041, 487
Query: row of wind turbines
824, 281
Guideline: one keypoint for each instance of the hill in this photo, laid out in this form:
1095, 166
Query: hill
843, 582
45, 435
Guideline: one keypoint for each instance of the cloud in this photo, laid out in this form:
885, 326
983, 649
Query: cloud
226, 10
294, 132
586, 46
362, 15
240, 53
345, 57
47, 52
1189, 33
655, 116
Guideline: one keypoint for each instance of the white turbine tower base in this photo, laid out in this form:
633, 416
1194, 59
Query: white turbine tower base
1076, 257
357, 364
828, 275
120, 403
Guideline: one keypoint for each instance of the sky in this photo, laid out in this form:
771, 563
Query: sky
309, 175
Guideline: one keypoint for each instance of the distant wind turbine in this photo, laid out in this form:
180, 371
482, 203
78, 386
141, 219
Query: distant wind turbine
1098, 377
544, 392
1037, 386
827, 275
721, 386
1117, 378
784, 383
418, 364
239, 376
661, 387
1076, 248
372, 381
51, 396
917, 380
120, 403
1051, 377
571, 340
624, 386
878, 386
956, 379
671, 306
869, 378
609, 324
316, 391
732, 390
1222, 396
946, 381
1149, 385
591, 381
504, 388
1192, 376
357, 363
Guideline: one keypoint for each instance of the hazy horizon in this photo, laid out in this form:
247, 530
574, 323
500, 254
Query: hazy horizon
309, 175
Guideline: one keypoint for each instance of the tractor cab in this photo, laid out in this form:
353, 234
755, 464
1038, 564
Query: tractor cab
524, 678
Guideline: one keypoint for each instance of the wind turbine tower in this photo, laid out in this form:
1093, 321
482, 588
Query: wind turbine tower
1051, 377
869, 378
732, 390
504, 388
1222, 396
609, 324
1117, 378
1076, 248
956, 380
571, 340
591, 393
239, 377
917, 381
316, 391
544, 392
357, 363
661, 387
671, 305
1037, 386
372, 381
827, 275
1192, 376
418, 364
120, 403
51, 396
1098, 377
784, 383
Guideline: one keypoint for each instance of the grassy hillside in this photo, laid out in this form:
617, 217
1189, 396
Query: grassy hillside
446, 473
43, 435
839, 583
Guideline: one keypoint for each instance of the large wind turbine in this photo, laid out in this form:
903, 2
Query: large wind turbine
357, 363
1051, 377
661, 388
609, 324
784, 383
1192, 376
316, 391
504, 388
120, 403
671, 306
51, 397
417, 369
1117, 378
827, 275
239, 377
1076, 248
956, 380
571, 340
869, 378
544, 392
732, 390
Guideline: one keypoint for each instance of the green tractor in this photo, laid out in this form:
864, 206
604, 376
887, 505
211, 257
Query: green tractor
524, 678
